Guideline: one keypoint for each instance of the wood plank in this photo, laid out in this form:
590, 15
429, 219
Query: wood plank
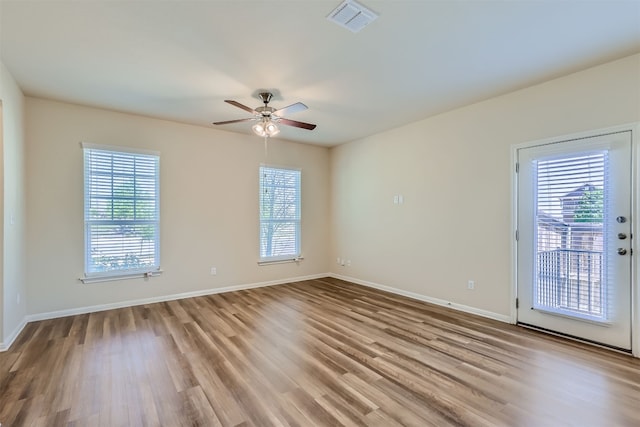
316, 352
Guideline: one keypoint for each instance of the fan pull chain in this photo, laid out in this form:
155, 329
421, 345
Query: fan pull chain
266, 146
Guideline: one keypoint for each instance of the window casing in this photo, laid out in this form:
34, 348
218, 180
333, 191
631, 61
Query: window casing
279, 214
121, 211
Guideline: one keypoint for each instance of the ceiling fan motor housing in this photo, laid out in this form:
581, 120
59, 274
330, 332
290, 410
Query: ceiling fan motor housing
265, 111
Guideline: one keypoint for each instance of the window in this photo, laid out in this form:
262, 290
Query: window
121, 211
571, 274
279, 214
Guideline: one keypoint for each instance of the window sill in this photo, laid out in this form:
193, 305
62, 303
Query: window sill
111, 278
281, 261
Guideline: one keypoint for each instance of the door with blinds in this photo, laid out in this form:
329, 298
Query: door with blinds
574, 238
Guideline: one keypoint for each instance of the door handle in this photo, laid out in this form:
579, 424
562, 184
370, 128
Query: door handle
622, 251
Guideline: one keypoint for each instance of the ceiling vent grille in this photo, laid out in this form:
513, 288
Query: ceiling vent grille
352, 15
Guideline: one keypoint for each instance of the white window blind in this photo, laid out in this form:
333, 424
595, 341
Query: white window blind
571, 274
279, 214
121, 212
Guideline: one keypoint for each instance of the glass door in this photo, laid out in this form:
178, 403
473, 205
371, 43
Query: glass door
574, 246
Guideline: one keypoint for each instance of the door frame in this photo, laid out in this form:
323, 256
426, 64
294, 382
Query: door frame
634, 128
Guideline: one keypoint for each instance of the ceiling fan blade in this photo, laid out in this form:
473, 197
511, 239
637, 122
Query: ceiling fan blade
293, 108
234, 121
297, 124
244, 107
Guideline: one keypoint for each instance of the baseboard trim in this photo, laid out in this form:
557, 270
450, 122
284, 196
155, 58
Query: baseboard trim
164, 298
420, 297
4, 345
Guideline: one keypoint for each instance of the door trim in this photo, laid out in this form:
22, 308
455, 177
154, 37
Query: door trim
634, 128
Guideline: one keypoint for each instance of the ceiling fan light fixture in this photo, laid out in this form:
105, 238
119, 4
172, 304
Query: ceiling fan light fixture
265, 128
272, 129
258, 129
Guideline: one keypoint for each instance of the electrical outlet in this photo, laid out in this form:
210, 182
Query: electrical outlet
471, 285
348, 263
214, 271
338, 260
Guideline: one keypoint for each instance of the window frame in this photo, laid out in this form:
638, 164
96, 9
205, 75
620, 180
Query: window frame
123, 273
296, 255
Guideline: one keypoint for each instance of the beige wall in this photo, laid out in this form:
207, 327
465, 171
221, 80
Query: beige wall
454, 171
209, 205
12, 209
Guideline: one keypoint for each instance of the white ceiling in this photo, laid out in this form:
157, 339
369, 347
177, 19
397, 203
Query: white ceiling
179, 60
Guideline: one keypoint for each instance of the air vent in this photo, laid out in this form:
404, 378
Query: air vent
352, 15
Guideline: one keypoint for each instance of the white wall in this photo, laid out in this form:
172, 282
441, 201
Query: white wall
454, 171
209, 205
12, 209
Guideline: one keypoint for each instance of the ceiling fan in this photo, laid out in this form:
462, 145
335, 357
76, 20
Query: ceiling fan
268, 117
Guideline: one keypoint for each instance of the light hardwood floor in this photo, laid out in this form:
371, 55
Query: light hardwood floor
320, 352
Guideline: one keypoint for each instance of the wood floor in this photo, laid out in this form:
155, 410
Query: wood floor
320, 352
